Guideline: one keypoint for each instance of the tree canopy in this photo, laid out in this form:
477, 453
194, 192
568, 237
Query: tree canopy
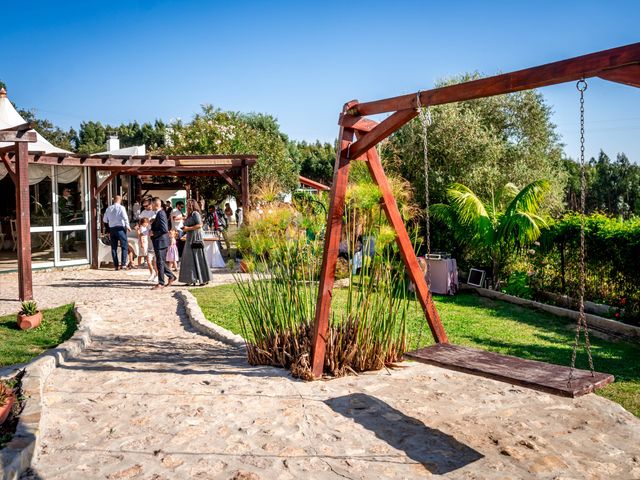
316, 160
93, 136
484, 144
216, 131
613, 186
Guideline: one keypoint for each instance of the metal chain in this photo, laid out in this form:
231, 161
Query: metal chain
582, 319
425, 122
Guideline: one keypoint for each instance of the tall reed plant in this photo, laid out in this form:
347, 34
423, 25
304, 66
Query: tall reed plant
278, 299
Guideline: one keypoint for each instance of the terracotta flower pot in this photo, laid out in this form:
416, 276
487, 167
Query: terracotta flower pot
6, 408
26, 322
244, 268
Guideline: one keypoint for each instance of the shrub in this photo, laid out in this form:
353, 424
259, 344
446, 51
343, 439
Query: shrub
518, 285
612, 261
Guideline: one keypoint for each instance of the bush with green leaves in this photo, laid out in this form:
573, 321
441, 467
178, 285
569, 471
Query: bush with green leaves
214, 131
493, 229
612, 261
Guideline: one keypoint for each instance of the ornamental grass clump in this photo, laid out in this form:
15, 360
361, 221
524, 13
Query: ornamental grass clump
278, 303
278, 299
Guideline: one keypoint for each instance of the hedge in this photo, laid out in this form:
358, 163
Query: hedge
612, 261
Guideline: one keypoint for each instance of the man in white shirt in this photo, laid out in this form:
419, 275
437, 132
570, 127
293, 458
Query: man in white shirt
177, 217
116, 217
147, 211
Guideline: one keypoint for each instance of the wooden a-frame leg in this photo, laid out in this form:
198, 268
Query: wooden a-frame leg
330, 254
406, 248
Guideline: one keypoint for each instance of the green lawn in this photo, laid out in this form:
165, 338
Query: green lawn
492, 325
19, 346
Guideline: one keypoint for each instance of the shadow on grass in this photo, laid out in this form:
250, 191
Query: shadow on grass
438, 452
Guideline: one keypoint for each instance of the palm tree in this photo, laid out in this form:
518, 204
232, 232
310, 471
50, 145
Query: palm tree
508, 223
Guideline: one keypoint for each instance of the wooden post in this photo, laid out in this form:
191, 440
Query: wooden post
406, 248
244, 187
93, 219
331, 249
23, 223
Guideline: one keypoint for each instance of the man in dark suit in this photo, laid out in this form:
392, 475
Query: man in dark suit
160, 239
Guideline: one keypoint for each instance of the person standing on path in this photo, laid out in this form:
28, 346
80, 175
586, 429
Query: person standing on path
177, 222
160, 240
194, 268
116, 217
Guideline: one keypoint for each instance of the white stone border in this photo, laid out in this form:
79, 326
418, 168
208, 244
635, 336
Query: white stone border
606, 324
204, 326
18, 454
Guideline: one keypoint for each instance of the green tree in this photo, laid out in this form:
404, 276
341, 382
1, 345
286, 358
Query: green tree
507, 222
66, 139
93, 136
483, 144
214, 131
613, 187
316, 160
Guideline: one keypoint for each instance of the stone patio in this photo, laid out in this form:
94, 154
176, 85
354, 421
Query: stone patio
153, 399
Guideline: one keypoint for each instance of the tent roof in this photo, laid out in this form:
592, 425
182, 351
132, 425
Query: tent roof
9, 117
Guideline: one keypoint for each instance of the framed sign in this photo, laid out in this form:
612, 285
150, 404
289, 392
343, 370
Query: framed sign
476, 277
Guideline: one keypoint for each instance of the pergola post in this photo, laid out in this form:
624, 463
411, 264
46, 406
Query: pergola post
245, 186
93, 224
23, 222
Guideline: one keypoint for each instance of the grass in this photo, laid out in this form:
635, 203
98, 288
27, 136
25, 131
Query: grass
19, 346
488, 324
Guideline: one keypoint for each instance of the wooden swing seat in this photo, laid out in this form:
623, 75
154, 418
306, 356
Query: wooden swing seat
532, 374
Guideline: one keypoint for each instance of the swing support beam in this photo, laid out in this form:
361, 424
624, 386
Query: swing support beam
358, 137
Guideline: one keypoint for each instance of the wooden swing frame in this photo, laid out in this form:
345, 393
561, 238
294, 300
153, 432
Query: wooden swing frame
358, 137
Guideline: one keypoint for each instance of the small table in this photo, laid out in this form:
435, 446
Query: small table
212, 252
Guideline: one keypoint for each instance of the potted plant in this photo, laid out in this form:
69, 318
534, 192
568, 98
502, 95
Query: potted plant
29, 317
7, 399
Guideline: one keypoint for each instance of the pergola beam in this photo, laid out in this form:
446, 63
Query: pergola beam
17, 136
229, 180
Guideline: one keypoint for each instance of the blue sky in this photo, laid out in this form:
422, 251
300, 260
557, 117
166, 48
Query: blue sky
300, 61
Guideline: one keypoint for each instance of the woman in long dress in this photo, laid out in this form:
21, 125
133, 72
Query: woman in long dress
193, 266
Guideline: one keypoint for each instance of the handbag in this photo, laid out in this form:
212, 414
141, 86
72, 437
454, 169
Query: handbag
197, 239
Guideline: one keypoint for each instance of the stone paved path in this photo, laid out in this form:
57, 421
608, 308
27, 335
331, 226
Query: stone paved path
152, 399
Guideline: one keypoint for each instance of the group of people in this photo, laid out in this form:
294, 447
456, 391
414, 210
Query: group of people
161, 241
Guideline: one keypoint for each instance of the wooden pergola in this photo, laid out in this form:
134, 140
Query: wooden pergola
17, 158
358, 137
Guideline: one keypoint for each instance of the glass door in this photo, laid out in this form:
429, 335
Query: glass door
71, 216
41, 212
